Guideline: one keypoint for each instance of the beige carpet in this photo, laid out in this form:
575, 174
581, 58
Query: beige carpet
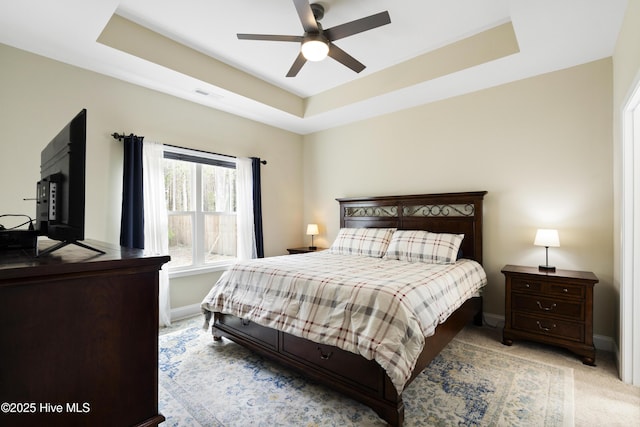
600, 398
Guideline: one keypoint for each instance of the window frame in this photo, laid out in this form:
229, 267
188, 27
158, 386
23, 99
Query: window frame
198, 158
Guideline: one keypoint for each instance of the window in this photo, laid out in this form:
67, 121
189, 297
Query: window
201, 206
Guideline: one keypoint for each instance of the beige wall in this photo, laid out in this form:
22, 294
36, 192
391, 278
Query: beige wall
541, 147
626, 76
39, 96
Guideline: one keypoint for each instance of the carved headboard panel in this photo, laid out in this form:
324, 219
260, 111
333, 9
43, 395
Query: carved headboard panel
459, 213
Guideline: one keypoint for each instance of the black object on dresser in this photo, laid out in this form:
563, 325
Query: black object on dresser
550, 307
79, 337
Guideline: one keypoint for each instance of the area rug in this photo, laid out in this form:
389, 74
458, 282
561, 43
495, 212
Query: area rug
207, 384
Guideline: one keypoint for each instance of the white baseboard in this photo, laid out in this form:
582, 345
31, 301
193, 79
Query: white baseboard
601, 342
604, 343
616, 355
493, 320
185, 311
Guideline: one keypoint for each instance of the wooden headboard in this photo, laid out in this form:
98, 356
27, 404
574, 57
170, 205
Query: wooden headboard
459, 213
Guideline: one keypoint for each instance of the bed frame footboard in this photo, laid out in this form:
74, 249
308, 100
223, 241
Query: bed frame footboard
351, 374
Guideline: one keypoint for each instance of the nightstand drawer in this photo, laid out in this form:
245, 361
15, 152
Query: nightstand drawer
565, 289
549, 288
548, 326
548, 306
526, 285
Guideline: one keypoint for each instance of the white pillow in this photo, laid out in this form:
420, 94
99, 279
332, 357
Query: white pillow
424, 246
371, 242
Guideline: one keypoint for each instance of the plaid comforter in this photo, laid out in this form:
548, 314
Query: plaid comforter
381, 309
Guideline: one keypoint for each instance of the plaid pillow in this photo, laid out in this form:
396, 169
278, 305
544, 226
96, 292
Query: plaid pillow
371, 242
424, 246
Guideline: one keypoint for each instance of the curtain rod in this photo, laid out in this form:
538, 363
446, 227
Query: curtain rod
122, 136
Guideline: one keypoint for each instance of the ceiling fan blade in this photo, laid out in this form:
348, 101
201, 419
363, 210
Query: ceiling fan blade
269, 37
297, 65
306, 16
359, 25
345, 59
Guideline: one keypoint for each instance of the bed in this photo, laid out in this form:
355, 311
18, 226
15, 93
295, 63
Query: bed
354, 357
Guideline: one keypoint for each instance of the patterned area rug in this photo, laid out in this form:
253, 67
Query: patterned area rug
207, 384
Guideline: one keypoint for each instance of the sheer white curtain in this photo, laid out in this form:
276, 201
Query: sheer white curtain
156, 234
244, 211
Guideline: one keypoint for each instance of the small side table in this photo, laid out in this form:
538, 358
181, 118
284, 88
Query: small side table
550, 307
304, 250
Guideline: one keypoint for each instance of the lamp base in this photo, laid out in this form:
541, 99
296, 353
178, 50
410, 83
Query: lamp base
548, 268
313, 248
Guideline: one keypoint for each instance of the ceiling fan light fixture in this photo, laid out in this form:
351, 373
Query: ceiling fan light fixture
315, 49
317, 43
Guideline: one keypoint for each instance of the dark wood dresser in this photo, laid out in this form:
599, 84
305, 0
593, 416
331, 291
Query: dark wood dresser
550, 307
79, 337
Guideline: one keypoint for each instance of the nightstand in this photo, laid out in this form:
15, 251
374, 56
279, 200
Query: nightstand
550, 307
303, 250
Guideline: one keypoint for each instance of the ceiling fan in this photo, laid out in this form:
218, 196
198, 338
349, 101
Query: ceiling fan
317, 43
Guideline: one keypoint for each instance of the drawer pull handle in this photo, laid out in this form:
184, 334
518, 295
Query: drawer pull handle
325, 356
245, 322
565, 290
546, 308
544, 328
526, 285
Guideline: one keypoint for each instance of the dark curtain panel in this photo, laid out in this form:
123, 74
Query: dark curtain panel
257, 206
132, 222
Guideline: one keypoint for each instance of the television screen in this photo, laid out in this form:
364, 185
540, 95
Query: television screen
61, 189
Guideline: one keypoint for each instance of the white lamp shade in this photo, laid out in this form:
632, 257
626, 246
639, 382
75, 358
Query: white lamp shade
547, 238
315, 50
312, 229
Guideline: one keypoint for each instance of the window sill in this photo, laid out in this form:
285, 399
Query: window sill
202, 269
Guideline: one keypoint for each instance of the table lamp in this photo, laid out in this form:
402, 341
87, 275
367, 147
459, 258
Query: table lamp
547, 238
312, 230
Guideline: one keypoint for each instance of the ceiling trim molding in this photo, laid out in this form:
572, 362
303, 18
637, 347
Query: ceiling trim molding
129, 37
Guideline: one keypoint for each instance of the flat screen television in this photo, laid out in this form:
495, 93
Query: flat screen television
61, 189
